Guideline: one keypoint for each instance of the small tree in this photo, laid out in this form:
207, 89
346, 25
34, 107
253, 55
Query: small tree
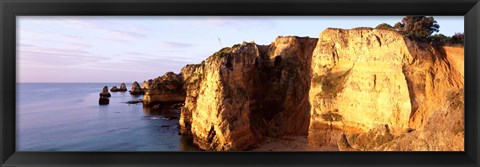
458, 38
417, 27
385, 26
439, 39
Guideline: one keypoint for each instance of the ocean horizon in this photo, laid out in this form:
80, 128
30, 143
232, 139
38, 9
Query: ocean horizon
59, 116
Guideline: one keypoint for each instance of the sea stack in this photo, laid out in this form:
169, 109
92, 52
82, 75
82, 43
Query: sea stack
114, 89
136, 89
104, 95
103, 100
123, 87
105, 92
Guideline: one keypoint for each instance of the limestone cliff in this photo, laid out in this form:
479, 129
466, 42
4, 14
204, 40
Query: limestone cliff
443, 131
368, 78
358, 89
221, 119
193, 75
249, 91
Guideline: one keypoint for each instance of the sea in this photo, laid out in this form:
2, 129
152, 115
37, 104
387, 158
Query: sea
67, 117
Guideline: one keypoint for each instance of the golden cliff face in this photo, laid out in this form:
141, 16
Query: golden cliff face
367, 78
221, 119
193, 76
282, 83
358, 89
357, 82
249, 92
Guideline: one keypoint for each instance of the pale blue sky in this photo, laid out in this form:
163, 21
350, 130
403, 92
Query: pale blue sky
127, 49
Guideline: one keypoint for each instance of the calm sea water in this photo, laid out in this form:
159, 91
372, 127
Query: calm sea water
67, 117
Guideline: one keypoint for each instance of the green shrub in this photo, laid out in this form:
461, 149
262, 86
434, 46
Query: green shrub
385, 26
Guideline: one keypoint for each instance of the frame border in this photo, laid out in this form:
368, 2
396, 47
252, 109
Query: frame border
9, 9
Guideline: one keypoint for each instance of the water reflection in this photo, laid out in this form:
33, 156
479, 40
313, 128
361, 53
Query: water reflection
169, 111
186, 143
170, 114
47, 114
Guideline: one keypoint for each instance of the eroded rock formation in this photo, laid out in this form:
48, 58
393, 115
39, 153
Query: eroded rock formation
104, 95
241, 94
366, 78
165, 89
123, 88
105, 92
359, 89
136, 89
146, 84
114, 89
193, 75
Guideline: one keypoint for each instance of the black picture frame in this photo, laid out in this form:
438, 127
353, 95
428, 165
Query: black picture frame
11, 8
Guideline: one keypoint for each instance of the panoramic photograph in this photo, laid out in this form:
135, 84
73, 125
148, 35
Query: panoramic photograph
240, 83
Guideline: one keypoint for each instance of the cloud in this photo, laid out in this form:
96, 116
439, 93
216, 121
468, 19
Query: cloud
172, 44
26, 45
137, 56
31, 34
32, 58
105, 27
46, 56
241, 23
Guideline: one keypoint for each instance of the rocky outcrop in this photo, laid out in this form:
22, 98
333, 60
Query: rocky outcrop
443, 131
368, 78
165, 89
146, 84
104, 95
359, 89
136, 89
250, 91
123, 88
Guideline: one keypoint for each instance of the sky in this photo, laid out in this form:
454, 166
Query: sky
98, 49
